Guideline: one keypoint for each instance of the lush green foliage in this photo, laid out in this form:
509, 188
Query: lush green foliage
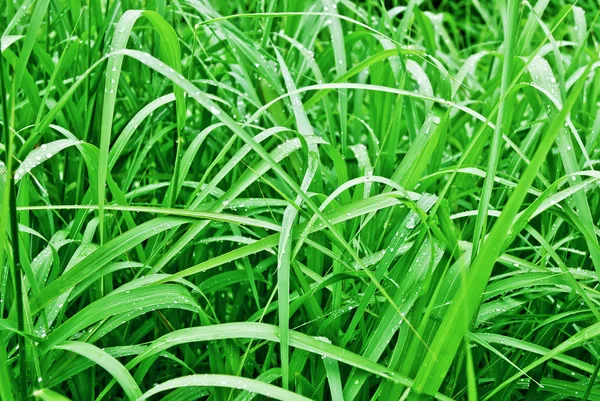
289, 199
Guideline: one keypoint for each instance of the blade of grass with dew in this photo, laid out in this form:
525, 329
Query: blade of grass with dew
49, 395
285, 245
170, 50
543, 77
102, 256
147, 298
456, 321
242, 383
269, 332
504, 116
101, 358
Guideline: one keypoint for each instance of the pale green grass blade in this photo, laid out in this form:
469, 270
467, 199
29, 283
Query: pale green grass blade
270, 333
37, 18
575, 341
107, 362
505, 111
102, 256
146, 298
456, 321
169, 49
42, 154
49, 395
289, 217
241, 383
8, 40
544, 78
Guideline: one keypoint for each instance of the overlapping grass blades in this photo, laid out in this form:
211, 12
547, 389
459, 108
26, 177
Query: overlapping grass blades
299, 200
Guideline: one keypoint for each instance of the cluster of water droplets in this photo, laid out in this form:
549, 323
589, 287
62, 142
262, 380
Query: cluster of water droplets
33, 160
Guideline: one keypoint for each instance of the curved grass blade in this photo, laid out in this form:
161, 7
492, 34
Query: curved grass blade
110, 364
456, 322
49, 395
101, 257
213, 380
169, 46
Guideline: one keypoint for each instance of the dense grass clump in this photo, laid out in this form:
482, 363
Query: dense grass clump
299, 200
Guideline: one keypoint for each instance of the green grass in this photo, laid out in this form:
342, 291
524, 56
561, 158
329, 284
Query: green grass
299, 200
